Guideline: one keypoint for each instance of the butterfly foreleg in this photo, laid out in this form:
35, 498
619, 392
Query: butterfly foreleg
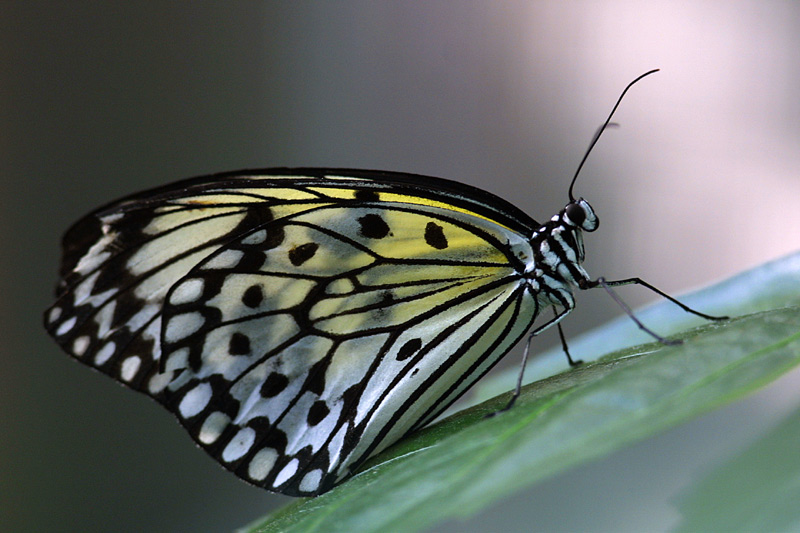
606, 285
639, 281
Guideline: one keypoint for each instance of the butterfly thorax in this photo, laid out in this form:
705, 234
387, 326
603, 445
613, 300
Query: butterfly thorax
558, 253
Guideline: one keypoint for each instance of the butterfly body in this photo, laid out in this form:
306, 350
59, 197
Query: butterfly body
298, 321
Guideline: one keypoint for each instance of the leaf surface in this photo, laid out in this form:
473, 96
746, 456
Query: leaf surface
464, 463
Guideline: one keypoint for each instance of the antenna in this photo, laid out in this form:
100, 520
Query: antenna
602, 129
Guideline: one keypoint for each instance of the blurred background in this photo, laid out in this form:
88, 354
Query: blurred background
98, 100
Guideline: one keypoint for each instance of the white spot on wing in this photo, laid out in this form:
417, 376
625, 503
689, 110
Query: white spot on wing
310, 481
213, 427
105, 353
195, 400
110, 219
224, 260
256, 238
181, 326
66, 326
287, 472
104, 318
188, 291
159, 382
239, 445
54, 314
262, 463
130, 367
80, 344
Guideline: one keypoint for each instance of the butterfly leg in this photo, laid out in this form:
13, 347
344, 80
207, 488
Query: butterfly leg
566, 350
606, 285
639, 281
555, 320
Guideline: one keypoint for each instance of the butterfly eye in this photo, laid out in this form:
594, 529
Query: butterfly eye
575, 213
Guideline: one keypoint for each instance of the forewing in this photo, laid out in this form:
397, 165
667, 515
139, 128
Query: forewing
315, 341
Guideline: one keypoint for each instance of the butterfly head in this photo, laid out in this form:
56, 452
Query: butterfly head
579, 214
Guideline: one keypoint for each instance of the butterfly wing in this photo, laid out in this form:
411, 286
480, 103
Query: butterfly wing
119, 262
296, 329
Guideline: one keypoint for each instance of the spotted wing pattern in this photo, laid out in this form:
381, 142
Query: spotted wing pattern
295, 325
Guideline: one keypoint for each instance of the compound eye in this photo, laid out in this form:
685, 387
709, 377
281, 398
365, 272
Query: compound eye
575, 213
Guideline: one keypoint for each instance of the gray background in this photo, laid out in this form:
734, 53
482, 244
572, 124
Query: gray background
101, 99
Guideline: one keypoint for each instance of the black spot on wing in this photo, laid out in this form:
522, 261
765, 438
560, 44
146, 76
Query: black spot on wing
300, 254
373, 226
253, 296
275, 237
408, 349
317, 413
257, 214
366, 195
434, 236
387, 297
315, 382
274, 385
239, 344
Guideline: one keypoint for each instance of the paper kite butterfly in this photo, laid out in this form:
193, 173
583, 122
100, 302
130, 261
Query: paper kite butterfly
299, 321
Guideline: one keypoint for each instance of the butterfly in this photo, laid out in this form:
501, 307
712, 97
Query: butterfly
299, 321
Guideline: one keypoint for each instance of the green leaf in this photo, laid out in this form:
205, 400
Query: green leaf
464, 463
758, 490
